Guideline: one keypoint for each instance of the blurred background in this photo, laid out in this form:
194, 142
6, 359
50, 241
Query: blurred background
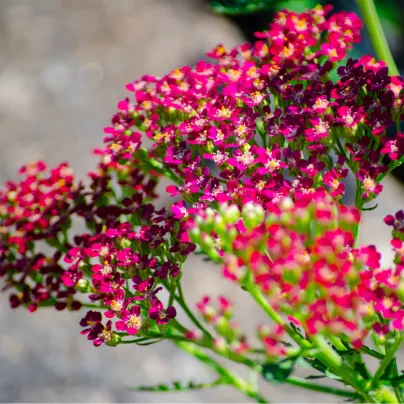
63, 67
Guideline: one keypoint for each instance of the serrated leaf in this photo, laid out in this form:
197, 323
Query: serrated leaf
388, 373
390, 378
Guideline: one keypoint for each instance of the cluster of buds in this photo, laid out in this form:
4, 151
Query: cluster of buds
229, 336
301, 255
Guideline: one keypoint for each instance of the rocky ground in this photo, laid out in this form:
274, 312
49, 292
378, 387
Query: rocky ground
63, 67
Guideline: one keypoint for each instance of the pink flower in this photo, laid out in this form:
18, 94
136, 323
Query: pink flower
130, 321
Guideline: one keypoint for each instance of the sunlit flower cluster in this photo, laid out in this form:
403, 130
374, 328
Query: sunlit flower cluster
258, 142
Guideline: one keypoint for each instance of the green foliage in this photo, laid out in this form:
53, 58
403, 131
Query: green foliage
236, 7
278, 373
177, 386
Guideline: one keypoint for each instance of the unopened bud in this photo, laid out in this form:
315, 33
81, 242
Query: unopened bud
114, 341
287, 204
219, 226
253, 215
231, 214
220, 344
400, 287
83, 286
208, 220
126, 243
195, 235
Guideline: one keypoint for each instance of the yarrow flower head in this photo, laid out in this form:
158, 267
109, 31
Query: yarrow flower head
258, 124
317, 278
257, 143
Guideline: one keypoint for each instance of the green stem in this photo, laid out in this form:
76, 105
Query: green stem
326, 354
295, 381
396, 387
392, 166
273, 315
181, 300
256, 368
227, 375
336, 365
372, 352
358, 205
341, 150
376, 34
388, 358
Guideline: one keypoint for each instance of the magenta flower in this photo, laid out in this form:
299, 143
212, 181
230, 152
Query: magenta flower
394, 148
145, 288
161, 316
396, 221
97, 332
130, 321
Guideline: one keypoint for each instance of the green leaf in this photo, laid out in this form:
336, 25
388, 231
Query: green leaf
361, 369
394, 380
331, 375
177, 386
149, 343
346, 352
318, 365
296, 329
277, 373
315, 377
371, 208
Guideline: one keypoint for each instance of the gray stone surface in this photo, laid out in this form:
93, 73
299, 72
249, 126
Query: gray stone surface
63, 67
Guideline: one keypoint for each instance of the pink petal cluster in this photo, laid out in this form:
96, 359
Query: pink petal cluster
301, 255
253, 125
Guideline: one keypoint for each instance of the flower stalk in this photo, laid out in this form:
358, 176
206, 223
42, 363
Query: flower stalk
377, 35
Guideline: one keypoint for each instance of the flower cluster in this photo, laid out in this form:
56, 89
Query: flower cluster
301, 255
256, 126
264, 120
36, 209
229, 334
132, 247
